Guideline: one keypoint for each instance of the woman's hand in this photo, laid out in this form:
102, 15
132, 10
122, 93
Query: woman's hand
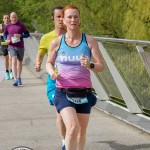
85, 61
54, 75
17, 35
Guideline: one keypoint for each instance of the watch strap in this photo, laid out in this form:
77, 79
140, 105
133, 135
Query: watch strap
92, 65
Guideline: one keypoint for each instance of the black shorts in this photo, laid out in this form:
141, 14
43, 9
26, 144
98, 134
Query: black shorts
4, 49
61, 102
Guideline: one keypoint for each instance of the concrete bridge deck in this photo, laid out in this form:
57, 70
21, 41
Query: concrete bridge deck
27, 119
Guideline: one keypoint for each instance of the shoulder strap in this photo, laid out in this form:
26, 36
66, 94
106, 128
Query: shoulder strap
61, 41
84, 38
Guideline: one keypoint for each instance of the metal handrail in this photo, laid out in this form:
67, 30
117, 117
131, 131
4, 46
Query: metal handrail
122, 40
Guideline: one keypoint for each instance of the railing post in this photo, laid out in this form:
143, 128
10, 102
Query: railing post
101, 93
145, 56
124, 91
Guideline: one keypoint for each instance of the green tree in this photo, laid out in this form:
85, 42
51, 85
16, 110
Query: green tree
103, 17
6, 6
112, 18
36, 14
137, 20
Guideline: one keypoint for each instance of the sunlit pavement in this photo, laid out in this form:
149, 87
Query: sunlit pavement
27, 119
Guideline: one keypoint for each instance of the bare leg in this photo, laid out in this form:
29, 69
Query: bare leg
6, 61
19, 68
61, 126
14, 66
10, 61
72, 127
83, 121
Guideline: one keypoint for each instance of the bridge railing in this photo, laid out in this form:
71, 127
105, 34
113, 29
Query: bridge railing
125, 79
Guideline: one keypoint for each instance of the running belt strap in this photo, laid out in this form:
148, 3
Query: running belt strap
75, 92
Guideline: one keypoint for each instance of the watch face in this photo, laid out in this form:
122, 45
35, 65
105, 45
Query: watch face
92, 65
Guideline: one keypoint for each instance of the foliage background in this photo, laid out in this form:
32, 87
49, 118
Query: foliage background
112, 18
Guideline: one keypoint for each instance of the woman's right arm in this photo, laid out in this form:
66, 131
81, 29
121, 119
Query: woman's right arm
51, 58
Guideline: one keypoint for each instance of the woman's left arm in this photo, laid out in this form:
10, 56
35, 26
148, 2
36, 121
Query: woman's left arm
98, 63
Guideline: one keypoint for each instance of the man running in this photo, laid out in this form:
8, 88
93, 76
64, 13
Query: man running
57, 17
16, 31
4, 49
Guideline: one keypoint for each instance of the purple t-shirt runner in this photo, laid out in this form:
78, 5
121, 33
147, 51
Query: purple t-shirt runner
18, 28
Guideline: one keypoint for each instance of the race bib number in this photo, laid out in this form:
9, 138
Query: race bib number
78, 100
15, 40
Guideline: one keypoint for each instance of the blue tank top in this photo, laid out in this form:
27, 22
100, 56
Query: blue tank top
72, 74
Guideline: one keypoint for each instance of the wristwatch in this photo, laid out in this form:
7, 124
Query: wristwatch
92, 65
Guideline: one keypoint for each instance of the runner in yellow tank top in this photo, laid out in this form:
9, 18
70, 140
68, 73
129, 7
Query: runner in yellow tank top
57, 17
43, 48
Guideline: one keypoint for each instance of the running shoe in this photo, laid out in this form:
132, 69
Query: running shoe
11, 75
15, 83
7, 77
19, 81
63, 147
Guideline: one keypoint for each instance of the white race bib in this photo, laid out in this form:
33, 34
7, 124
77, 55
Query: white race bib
15, 40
